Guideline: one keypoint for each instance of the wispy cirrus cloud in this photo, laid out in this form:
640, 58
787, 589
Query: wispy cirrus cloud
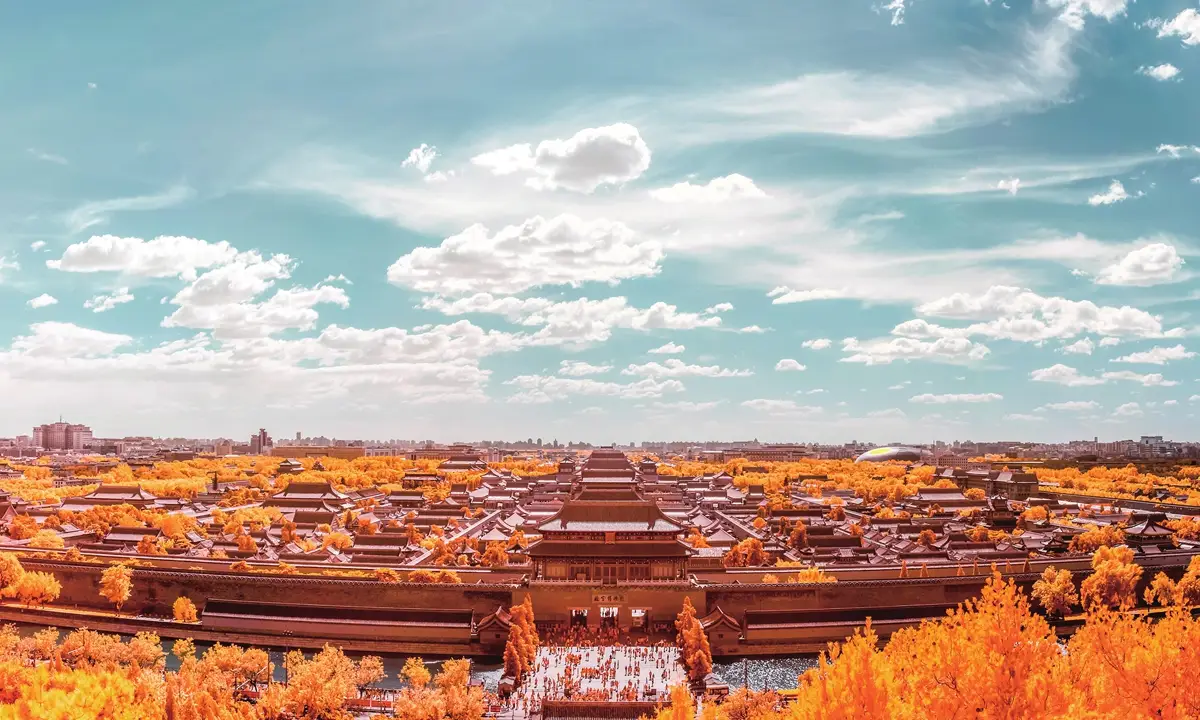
98, 212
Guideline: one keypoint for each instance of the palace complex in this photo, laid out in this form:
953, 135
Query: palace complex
429, 561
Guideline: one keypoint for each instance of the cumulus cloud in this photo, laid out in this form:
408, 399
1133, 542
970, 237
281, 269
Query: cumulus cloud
37, 245
1074, 12
717, 190
1109, 341
564, 250
817, 344
164, 256
887, 350
1130, 409
1157, 355
1163, 72
67, 340
104, 303
421, 157
1072, 406
41, 301
781, 407
932, 399
572, 368
1065, 375
1011, 185
686, 405
1151, 264
675, 367
1149, 379
1083, 346
1115, 194
575, 321
536, 389
593, 157
788, 364
1011, 313
1185, 26
1024, 417
668, 349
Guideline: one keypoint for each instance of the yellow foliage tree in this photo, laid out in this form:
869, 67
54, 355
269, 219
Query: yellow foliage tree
116, 584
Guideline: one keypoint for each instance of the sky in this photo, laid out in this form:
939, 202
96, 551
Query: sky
815, 220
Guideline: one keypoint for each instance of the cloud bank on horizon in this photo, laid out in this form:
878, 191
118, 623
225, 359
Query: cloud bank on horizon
898, 221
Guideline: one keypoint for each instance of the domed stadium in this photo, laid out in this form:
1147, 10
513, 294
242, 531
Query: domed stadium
903, 454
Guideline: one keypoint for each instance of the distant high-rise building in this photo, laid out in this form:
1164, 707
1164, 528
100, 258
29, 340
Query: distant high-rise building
62, 436
298, 436
260, 443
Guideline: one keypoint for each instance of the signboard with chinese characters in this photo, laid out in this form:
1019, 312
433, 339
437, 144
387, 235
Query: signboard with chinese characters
607, 598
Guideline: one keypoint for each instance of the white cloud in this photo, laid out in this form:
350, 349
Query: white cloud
687, 405
104, 303
896, 8
572, 368
42, 301
1024, 417
789, 364
888, 414
1170, 403
1157, 355
1163, 72
784, 295
545, 388
887, 350
564, 250
37, 245
67, 340
608, 155
1149, 380
290, 309
752, 330
781, 407
1074, 11
718, 308
1115, 194
717, 190
1069, 376
1151, 264
47, 157
1021, 315
1011, 185
421, 157
1109, 341
1083, 346
900, 385
674, 367
1130, 409
932, 399
1177, 151
1185, 26
575, 321
817, 344
1072, 406
1064, 375
164, 256
98, 212
668, 349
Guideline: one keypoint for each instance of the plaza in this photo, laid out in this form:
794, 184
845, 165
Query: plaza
610, 674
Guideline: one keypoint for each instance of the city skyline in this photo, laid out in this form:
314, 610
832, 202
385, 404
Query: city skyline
912, 221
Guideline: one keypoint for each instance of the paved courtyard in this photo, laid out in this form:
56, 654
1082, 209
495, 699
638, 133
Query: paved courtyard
597, 673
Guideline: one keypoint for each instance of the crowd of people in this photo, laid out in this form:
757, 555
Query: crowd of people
594, 672
580, 635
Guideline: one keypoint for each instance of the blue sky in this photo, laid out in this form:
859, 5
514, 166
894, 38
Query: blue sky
821, 221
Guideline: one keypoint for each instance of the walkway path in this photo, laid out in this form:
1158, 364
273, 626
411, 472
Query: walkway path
596, 673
